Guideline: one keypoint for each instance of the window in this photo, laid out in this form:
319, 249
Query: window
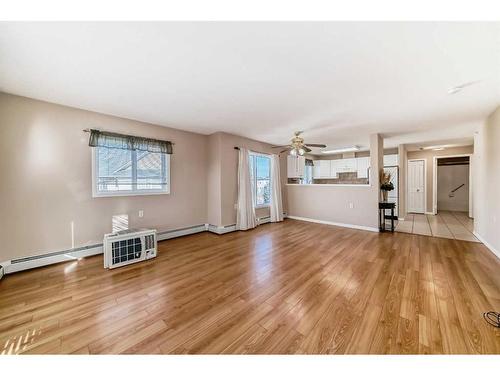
130, 172
260, 166
308, 174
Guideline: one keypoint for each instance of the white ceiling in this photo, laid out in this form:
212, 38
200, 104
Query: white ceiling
338, 81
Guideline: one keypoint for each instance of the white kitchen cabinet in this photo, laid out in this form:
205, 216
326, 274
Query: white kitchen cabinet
345, 165
296, 166
349, 165
324, 169
316, 169
335, 167
362, 165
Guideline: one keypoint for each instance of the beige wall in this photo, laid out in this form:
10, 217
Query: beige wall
332, 203
214, 186
429, 155
486, 182
46, 188
45, 169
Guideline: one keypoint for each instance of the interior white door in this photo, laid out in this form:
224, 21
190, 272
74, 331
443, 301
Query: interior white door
416, 186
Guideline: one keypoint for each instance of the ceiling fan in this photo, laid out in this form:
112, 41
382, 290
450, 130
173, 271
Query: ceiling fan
297, 145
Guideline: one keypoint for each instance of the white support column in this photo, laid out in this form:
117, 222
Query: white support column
376, 167
402, 180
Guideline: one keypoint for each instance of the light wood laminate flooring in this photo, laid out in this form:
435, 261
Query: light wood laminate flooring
291, 287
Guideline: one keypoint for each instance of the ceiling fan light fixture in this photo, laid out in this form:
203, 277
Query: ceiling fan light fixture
293, 152
301, 151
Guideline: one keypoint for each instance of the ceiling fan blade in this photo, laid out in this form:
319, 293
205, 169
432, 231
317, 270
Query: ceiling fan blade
280, 146
285, 150
306, 149
315, 145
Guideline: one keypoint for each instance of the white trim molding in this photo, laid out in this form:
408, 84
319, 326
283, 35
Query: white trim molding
488, 245
434, 180
344, 225
221, 230
165, 235
22, 264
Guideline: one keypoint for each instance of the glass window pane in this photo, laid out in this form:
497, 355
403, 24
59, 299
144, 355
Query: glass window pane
114, 169
263, 167
150, 171
263, 192
262, 180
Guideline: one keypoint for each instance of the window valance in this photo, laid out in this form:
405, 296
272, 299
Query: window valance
100, 138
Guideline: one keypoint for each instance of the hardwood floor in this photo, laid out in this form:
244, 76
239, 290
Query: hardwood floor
292, 287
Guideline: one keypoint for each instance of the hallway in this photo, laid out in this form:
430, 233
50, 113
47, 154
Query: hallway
446, 224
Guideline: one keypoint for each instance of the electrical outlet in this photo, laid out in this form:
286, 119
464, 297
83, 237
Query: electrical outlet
351, 205
236, 206
141, 213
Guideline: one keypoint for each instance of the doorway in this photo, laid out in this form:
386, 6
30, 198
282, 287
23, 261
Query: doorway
452, 184
416, 186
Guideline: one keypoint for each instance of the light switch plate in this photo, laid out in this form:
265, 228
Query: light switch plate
141, 213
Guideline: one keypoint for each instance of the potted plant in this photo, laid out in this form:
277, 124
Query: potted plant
386, 186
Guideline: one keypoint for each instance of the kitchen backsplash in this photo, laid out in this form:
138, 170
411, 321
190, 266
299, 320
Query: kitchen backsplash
347, 178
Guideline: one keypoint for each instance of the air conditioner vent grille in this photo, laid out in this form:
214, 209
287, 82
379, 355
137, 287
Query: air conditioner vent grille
125, 250
149, 241
129, 247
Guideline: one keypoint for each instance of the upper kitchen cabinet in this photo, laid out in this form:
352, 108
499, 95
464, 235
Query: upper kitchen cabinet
322, 169
362, 165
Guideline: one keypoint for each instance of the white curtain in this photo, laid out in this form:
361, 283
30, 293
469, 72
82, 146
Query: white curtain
276, 201
245, 215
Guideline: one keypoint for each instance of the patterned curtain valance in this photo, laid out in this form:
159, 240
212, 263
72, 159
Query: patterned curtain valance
309, 162
100, 138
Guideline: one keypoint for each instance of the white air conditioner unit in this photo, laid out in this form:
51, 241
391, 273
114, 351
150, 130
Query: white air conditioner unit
129, 246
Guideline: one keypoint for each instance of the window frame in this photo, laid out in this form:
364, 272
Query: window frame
129, 193
254, 173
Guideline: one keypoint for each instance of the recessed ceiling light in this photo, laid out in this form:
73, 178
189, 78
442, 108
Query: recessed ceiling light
455, 89
340, 150
434, 148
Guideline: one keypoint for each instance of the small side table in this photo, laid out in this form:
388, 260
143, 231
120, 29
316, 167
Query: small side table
382, 206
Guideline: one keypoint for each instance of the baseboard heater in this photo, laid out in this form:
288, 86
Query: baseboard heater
21, 264
25, 263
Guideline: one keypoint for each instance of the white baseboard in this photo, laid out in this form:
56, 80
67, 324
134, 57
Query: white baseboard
232, 227
351, 226
181, 232
221, 230
22, 264
430, 213
489, 246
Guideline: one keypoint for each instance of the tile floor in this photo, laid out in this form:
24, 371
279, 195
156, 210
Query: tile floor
447, 224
